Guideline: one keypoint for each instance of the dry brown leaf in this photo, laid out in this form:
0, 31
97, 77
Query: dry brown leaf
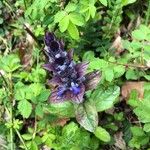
119, 141
61, 122
129, 86
117, 44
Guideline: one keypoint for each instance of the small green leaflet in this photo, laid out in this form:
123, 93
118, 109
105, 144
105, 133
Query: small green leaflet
104, 2
25, 108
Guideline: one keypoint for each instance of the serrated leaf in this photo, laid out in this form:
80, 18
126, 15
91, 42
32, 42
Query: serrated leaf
102, 134
131, 74
27, 136
73, 31
25, 108
43, 96
87, 116
92, 10
39, 110
118, 71
109, 74
126, 2
59, 16
76, 19
143, 111
104, 2
147, 127
65, 109
34, 146
63, 24
105, 98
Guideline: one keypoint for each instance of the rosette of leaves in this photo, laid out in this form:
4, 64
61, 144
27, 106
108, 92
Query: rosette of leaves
70, 81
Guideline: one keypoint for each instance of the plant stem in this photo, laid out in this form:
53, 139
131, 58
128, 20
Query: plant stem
147, 14
25, 5
130, 65
21, 139
11, 129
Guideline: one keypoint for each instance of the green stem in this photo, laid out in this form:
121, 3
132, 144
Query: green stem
25, 5
11, 130
3, 145
21, 139
147, 14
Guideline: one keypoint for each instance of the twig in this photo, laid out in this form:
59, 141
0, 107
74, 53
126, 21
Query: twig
32, 35
130, 65
147, 14
21, 139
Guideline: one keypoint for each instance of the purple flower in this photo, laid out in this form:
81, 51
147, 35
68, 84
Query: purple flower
69, 80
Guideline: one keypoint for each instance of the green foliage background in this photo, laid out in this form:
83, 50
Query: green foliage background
114, 36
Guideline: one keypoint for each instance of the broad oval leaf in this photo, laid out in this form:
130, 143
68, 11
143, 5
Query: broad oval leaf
76, 19
102, 134
65, 109
87, 116
73, 31
63, 24
59, 16
105, 98
104, 2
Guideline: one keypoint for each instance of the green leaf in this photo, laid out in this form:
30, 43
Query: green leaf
73, 31
25, 108
104, 2
59, 16
71, 7
10, 63
147, 127
131, 74
63, 24
109, 74
143, 111
76, 19
87, 116
34, 146
27, 136
118, 71
98, 64
104, 98
92, 10
88, 56
102, 134
137, 131
43, 96
126, 2
65, 109
39, 110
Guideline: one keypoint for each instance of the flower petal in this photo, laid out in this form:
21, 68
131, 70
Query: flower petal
54, 98
70, 54
49, 37
79, 97
81, 68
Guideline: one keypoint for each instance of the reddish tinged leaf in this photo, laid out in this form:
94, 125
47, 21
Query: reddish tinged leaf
92, 79
81, 68
87, 116
54, 81
79, 97
61, 122
70, 54
48, 67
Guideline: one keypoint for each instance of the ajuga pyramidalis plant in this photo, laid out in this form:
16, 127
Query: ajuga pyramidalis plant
69, 80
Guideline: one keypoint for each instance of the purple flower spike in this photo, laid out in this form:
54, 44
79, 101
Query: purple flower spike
70, 80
